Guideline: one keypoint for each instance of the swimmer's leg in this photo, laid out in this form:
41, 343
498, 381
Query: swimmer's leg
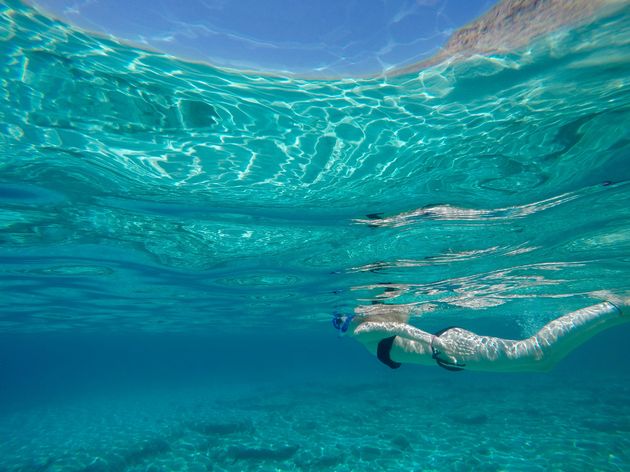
561, 336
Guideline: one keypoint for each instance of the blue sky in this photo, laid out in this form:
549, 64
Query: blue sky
321, 37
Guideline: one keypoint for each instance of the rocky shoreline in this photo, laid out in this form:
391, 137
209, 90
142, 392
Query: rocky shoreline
511, 24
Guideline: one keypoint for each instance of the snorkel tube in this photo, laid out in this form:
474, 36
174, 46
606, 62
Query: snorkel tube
341, 322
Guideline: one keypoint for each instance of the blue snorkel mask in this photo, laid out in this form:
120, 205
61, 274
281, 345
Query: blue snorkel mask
341, 322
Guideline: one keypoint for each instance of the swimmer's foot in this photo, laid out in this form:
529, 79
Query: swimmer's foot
624, 306
620, 301
623, 303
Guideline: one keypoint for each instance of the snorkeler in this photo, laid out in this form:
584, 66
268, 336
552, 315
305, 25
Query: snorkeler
395, 342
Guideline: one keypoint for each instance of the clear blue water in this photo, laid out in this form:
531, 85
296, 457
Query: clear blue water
174, 239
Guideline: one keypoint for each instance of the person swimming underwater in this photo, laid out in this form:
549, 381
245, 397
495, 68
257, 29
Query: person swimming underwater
395, 342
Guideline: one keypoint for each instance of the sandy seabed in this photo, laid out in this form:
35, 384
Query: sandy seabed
483, 423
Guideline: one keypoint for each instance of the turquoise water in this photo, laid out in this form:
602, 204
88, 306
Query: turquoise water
174, 239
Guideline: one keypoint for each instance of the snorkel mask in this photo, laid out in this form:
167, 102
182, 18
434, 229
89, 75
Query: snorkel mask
341, 322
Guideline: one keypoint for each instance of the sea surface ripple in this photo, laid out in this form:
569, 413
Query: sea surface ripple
140, 192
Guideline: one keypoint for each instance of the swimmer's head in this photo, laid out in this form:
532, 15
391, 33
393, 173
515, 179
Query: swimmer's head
341, 322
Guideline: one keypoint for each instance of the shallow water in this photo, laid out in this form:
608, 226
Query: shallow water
174, 239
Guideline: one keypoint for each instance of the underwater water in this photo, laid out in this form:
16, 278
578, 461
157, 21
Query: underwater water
174, 239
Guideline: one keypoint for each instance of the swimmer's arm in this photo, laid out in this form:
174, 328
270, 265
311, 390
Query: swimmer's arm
411, 344
385, 329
